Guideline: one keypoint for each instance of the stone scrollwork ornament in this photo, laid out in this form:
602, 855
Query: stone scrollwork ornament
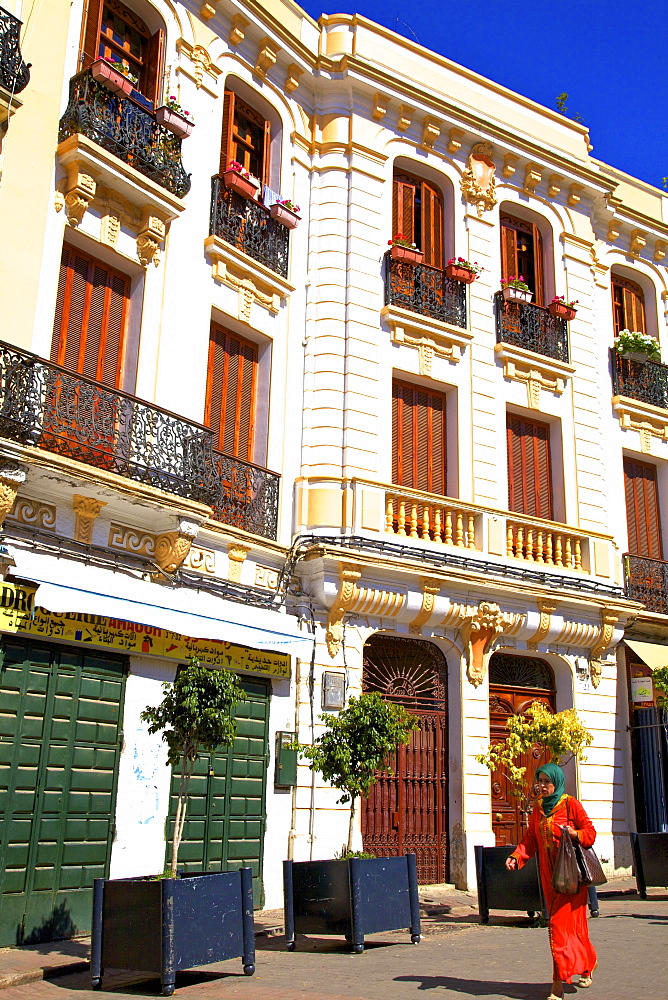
481, 627
478, 183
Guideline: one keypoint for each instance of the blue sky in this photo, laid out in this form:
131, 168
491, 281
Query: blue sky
611, 57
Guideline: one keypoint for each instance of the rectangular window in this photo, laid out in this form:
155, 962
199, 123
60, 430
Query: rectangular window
91, 318
522, 253
231, 393
418, 438
627, 305
246, 137
642, 509
529, 467
114, 32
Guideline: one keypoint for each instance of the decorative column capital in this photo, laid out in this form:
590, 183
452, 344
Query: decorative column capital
12, 476
86, 510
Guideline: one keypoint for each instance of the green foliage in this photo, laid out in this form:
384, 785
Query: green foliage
344, 854
561, 103
196, 713
357, 742
660, 679
561, 733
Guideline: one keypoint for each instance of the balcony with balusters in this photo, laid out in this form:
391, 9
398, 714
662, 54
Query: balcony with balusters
14, 71
48, 407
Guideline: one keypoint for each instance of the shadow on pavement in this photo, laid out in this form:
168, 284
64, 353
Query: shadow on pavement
481, 987
135, 984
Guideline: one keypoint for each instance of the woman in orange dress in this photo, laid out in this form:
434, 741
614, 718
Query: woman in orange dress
554, 815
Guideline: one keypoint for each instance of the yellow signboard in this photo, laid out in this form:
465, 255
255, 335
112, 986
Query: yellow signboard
19, 616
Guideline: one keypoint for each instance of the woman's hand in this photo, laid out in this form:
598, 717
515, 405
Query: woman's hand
573, 834
511, 863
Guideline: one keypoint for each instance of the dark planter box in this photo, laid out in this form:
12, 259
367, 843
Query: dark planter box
500, 889
352, 898
172, 924
650, 860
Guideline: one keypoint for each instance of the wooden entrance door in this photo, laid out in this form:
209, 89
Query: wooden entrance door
407, 809
516, 682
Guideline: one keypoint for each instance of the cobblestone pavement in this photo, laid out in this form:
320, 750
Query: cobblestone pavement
508, 958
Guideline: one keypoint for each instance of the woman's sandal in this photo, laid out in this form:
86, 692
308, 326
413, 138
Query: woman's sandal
553, 996
586, 981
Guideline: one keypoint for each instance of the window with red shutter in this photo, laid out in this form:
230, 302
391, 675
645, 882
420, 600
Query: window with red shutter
231, 393
642, 509
417, 213
91, 317
522, 253
113, 31
418, 438
529, 467
628, 305
246, 137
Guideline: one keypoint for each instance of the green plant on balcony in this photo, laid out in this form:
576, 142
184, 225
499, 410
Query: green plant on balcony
632, 342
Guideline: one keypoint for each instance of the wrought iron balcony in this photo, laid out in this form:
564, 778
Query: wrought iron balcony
14, 72
647, 582
127, 130
646, 381
425, 290
248, 226
532, 327
46, 406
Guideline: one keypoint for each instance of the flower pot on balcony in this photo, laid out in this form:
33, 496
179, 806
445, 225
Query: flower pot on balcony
241, 185
561, 310
635, 355
459, 273
110, 78
399, 252
176, 123
516, 294
285, 216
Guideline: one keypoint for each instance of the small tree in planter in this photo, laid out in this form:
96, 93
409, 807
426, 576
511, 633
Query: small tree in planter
561, 734
195, 717
354, 895
356, 745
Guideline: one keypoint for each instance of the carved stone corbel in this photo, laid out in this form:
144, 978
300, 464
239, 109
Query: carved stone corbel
78, 191
638, 242
478, 182
430, 588
479, 631
172, 547
86, 509
292, 75
431, 130
266, 57
238, 29
405, 117
455, 136
12, 476
150, 239
546, 609
614, 229
509, 164
660, 248
348, 576
236, 555
533, 175
608, 621
575, 194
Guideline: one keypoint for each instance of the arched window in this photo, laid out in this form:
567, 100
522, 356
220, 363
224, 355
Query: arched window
628, 305
417, 213
522, 253
246, 137
114, 32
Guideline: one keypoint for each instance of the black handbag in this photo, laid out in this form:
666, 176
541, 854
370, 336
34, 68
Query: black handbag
589, 867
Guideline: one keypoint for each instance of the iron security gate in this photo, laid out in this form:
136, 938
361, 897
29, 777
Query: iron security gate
60, 715
224, 827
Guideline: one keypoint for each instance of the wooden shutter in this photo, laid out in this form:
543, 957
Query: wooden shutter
538, 291
418, 431
511, 258
231, 392
226, 153
432, 225
628, 304
90, 34
151, 83
266, 154
508, 251
403, 208
529, 473
642, 509
91, 317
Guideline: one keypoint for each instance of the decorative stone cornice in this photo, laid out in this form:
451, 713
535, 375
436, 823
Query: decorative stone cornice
536, 371
650, 421
431, 337
254, 282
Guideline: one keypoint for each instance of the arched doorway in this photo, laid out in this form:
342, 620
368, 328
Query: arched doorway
407, 810
515, 683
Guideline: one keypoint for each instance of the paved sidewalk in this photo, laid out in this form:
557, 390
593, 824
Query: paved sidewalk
508, 958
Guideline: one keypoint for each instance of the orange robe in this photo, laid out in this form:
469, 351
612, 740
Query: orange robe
572, 951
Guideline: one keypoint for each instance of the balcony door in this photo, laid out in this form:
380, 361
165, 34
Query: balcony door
246, 137
417, 213
231, 393
418, 438
116, 33
628, 305
529, 467
522, 253
642, 509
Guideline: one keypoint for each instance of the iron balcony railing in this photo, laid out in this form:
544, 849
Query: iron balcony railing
646, 381
647, 582
127, 130
248, 226
532, 327
44, 405
425, 290
14, 72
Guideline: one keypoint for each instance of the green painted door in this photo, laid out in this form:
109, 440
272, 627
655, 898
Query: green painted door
224, 827
60, 718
